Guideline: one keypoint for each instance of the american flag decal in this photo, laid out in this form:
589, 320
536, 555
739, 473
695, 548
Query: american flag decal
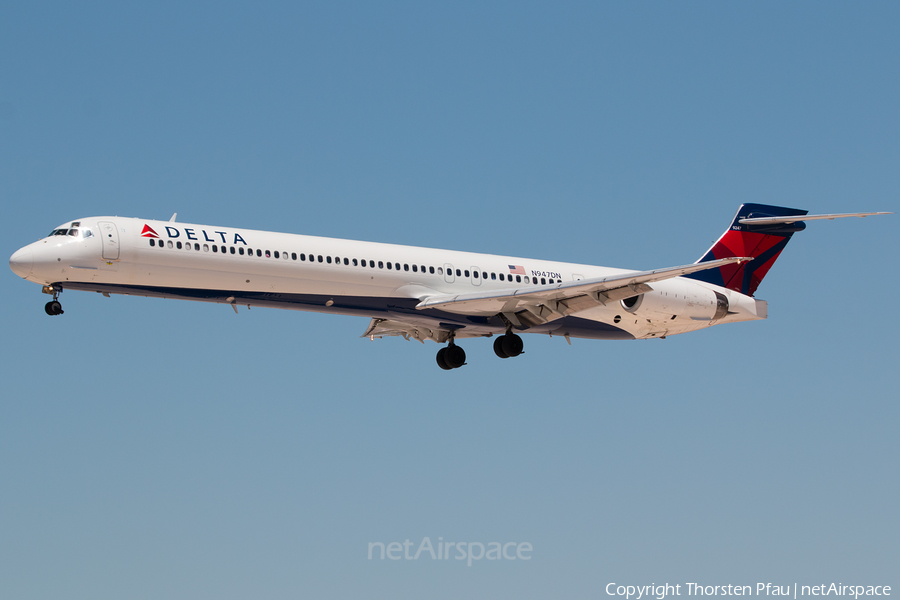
516, 270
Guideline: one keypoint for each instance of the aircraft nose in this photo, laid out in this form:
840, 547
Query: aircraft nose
22, 262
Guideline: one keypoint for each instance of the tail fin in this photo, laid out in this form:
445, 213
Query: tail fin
763, 242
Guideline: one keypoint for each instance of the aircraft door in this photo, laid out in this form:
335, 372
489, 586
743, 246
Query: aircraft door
476, 276
449, 277
109, 237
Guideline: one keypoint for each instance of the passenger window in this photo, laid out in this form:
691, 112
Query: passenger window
458, 274
415, 269
518, 279
380, 264
440, 270
389, 265
501, 277
483, 275
328, 259
268, 254
467, 272
423, 268
431, 270
152, 242
494, 276
178, 245
276, 254
197, 248
543, 281
215, 248
406, 267
534, 280
205, 247
241, 251
231, 249
320, 258
355, 262
475, 274
346, 262
293, 256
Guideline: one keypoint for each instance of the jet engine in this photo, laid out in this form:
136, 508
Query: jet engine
679, 300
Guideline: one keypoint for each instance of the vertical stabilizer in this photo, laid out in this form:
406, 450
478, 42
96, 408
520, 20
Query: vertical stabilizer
763, 242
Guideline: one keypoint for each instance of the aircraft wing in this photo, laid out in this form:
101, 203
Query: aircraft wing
548, 302
415, 329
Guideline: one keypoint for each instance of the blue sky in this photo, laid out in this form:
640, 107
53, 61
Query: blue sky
153, 448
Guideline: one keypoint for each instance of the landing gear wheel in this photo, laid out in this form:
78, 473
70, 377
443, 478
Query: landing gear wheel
511, 344
53, 308
442, 359
455, 356
498, 347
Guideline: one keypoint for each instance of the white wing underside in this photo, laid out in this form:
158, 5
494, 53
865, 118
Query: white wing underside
533, 305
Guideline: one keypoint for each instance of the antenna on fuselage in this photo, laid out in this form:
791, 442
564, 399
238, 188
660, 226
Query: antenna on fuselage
172, 220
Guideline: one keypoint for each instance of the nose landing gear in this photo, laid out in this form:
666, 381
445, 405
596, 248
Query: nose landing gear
53, 307
451, 357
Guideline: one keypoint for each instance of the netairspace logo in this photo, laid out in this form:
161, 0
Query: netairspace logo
468, 551
639, 592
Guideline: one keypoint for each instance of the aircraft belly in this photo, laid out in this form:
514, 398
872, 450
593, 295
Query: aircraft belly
365, 306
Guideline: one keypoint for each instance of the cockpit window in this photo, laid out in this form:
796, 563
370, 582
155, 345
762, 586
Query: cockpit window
73, 232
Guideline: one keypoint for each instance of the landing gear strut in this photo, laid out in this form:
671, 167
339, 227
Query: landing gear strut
451, 357
508, 346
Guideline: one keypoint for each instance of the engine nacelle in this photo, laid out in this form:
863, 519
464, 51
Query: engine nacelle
678, 299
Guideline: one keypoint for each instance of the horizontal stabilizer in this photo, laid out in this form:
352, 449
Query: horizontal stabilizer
794, 219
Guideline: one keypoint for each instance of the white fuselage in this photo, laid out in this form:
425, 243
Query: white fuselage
258, 268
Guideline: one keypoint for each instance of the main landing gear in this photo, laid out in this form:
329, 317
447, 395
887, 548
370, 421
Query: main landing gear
508, 346
451, 357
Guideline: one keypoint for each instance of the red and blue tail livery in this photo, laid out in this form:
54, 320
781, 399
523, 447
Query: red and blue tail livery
417, 293
763, 242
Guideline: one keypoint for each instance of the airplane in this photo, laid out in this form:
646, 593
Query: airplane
417, 293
